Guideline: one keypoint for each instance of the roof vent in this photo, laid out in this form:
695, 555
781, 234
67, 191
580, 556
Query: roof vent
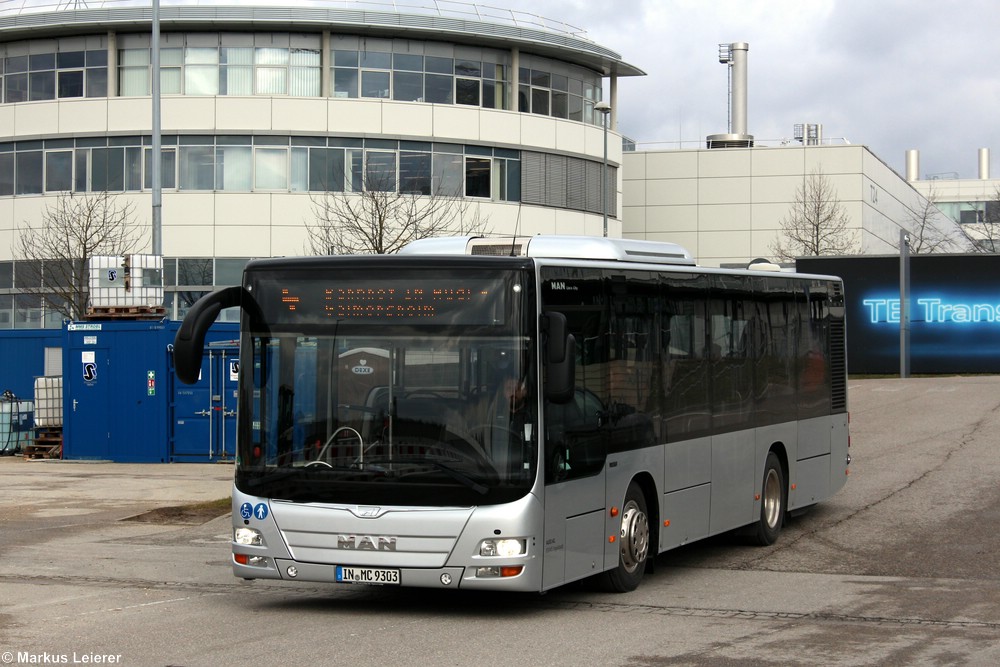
556, 247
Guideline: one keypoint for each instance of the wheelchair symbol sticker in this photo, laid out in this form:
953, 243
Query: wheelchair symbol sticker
258, 511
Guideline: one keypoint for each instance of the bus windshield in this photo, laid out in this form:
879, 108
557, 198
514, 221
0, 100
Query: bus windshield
401, 392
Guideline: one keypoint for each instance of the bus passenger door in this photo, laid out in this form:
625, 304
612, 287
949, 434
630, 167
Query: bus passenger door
575, 451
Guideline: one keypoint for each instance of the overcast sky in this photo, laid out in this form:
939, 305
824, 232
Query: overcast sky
890, 74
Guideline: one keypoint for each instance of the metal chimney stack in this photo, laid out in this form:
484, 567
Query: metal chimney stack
984, 164
735, 57
912, 165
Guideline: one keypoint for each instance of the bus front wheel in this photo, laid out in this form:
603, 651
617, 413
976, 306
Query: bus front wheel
633, 543
773, 502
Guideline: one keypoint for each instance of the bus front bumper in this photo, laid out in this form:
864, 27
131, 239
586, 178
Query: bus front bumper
443, 577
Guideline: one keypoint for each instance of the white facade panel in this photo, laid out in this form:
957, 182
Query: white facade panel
83, 116
672, 218
728, 246
570, 136
7, 128
783, 161
244, 114
243, 242
188, 208
671, 192
724, 162
762, 243
35, 118
671, 164
768, 216
724, 191
834, 159
634, 192
130, 114
775, 189
7, 221
407, 119
242, 209
456, 123
634, 166
196, 240
28, 211
537, 220
634, 221
540, 132
500, 127
724, 218
354, 116
185, 114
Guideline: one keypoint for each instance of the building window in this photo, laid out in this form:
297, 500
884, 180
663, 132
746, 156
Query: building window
196, 169
27, 311
48, 76
58, 171
415, 172
229, 69
477, 177
244, 163
28, 172
194, 272
271, 168
7, 171
566, 182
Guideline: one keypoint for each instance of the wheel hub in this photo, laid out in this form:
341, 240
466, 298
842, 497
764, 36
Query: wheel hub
634, 537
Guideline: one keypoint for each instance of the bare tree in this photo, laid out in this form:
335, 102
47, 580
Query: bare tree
925, 234
816, 223
382, 218
54, 256
984, 235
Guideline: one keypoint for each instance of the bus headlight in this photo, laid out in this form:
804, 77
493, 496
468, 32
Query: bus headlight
504, 548
247, 536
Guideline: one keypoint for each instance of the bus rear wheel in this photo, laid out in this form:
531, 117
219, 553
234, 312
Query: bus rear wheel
773, 502
633, 543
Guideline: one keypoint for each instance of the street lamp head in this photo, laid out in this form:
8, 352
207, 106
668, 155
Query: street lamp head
602, 107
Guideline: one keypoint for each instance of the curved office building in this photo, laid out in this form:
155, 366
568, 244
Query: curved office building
267, 108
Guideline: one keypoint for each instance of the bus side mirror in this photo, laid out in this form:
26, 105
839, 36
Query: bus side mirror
560, 359
189, 343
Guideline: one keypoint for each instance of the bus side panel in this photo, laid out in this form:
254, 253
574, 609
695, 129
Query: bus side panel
583, 534
838, 453
687, 512
688, 463
734, 476
814, 438
573, 548
812, 482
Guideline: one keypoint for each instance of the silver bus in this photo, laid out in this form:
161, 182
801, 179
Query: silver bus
518, 414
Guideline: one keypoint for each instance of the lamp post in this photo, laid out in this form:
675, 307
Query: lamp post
604, 109
904, 304
157, 177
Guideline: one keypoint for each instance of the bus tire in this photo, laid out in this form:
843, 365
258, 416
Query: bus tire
773, 502
633, 543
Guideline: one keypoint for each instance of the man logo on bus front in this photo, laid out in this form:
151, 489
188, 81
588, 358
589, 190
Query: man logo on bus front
366, 542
